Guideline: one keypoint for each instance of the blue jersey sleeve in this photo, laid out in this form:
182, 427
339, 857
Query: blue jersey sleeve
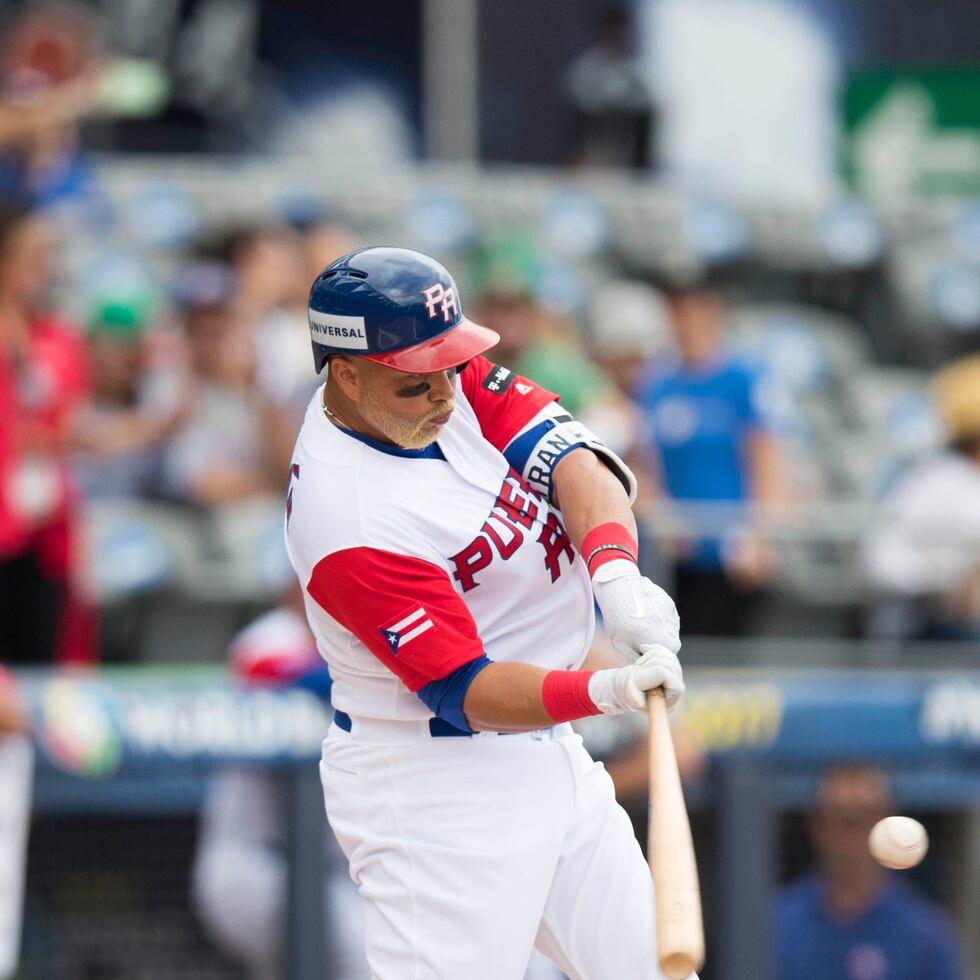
445, 697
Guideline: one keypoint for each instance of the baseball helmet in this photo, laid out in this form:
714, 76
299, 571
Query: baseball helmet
393, 306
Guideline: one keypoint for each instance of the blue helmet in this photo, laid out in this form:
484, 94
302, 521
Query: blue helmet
394, 306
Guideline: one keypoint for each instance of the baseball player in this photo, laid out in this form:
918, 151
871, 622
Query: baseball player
451, 527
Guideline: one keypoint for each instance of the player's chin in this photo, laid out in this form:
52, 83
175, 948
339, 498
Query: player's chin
426, 434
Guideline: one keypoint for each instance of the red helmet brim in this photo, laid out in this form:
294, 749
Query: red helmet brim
454, 347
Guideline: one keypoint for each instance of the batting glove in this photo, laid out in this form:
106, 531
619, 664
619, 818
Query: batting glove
637, 614
620, 689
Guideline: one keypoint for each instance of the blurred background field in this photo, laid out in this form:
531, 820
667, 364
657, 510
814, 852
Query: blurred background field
740, 239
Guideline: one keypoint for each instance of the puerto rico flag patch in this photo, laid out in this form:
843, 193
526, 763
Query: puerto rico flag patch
409, 626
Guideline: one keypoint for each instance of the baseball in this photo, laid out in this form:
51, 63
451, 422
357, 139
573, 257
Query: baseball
898, 842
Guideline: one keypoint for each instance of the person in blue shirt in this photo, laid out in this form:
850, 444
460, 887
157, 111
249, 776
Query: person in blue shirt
851, 919
709, 443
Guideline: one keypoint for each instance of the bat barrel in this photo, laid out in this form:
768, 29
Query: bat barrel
670, 851
677, 966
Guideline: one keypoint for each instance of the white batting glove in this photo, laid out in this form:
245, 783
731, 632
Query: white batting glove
637, 614
620, 689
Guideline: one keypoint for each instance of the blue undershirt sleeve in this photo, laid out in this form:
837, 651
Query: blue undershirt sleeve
444, 697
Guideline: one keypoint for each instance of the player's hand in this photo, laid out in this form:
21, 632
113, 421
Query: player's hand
636, 613
622, 689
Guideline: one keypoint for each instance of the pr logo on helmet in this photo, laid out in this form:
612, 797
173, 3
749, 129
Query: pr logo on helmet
437, 295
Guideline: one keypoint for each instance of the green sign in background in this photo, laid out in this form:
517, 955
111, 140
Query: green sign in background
913, 132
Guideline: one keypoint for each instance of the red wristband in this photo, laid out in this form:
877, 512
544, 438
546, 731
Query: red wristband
608, 542
565, 694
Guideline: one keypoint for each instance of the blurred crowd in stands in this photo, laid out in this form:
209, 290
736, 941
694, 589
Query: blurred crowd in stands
196, 405
188, 398
151, 394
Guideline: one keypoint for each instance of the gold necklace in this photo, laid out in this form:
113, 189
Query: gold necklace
334, 418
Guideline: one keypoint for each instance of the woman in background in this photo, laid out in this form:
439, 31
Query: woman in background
42, 381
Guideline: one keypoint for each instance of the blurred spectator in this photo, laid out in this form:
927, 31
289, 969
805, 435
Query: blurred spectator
239, 878
270, 302
223, 451
275, 265
923, 557
710, 443
272, 263
850, 919
12, 717
120, 431
613, 106
502, 272
324, 240
628, 326
268, 262
554, 356
49, 75
324, 237
534, 341
42, 382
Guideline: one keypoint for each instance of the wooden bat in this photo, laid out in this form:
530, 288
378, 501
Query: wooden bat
670, 851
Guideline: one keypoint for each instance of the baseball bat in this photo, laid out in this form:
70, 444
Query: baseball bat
670, 851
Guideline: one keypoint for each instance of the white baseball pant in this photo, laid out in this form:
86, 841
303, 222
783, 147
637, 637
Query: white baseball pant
469, 852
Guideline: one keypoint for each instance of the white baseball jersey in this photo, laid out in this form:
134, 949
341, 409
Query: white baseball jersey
418, 562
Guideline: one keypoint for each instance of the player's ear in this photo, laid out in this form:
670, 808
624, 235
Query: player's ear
345, 375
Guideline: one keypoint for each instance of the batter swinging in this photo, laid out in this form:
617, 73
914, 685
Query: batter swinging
450, 525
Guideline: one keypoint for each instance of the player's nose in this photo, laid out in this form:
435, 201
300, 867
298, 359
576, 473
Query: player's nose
443, 386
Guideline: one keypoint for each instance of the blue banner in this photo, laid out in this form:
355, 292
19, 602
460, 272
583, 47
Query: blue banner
92, 724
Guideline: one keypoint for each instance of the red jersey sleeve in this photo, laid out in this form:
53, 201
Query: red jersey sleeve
403, 609
504, 402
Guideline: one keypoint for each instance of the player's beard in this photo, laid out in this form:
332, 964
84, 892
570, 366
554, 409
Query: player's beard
402, 432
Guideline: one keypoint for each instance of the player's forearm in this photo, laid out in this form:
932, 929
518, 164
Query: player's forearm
589, 494
507, 698
515, 697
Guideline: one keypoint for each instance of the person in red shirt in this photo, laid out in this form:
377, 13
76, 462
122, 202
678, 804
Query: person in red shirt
42, 381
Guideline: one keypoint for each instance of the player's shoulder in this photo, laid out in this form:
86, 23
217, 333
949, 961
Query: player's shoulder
325, 499
481, 375
325, 491
502, 400
354, 501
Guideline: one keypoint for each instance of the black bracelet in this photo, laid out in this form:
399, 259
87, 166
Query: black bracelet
610, 547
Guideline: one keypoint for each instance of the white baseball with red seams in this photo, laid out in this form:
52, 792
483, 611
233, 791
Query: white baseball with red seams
898, 842
468, 851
